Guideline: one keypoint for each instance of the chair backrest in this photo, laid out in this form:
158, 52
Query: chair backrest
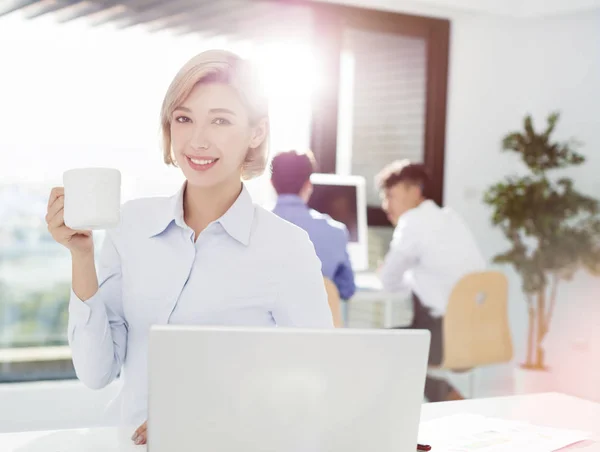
476, 329
333, 296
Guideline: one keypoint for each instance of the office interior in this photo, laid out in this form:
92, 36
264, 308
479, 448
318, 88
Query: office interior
359, 82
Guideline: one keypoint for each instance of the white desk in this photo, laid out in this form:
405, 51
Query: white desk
369, 290
553, 410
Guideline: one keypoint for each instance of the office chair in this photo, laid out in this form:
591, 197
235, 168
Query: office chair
333, 297
476, 329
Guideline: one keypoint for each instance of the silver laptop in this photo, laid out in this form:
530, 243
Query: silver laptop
285, 390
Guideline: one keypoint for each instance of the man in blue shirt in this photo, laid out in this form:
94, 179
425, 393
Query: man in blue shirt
291, 180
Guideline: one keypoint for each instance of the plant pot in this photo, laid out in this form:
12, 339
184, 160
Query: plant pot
532, 381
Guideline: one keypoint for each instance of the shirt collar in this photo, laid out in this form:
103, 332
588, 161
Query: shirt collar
427, 204
237, 221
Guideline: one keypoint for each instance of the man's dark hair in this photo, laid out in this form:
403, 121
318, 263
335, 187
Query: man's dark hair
404, 171
291, 170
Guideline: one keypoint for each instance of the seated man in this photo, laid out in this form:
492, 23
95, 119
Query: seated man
291, 180
431, 250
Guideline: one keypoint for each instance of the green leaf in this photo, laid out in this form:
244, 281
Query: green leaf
551, 227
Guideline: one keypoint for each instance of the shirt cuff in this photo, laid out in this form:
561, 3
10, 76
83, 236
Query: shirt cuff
80, 311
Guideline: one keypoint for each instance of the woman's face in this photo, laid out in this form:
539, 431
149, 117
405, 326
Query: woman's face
211, 134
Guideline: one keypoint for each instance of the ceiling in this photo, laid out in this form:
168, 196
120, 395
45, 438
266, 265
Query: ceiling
256, 19
250, 19
445, 8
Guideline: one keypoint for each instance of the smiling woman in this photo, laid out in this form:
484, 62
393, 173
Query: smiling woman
216, 99
215, 128
206, 255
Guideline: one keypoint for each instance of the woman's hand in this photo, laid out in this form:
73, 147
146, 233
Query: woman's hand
140, 436
78, 242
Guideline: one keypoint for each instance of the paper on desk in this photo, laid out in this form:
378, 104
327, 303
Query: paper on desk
474, 433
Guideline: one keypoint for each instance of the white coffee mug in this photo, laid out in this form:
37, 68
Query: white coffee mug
92, 198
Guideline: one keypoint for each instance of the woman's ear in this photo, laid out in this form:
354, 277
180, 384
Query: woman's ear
259, 133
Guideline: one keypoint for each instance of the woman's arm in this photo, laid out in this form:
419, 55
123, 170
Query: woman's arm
302, 299
85, 280
97, 327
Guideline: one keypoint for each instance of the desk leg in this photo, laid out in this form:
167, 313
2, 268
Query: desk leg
388, 313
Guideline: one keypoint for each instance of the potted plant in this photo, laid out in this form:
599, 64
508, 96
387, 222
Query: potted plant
553, 231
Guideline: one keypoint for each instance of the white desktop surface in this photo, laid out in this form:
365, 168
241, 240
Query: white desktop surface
552, 410
368, 282
80, 440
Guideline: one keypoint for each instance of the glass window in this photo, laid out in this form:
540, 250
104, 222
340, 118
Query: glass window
85, 97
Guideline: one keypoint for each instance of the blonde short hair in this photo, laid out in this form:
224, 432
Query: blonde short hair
219, 66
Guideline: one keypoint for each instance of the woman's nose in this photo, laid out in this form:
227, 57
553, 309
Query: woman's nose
199, 139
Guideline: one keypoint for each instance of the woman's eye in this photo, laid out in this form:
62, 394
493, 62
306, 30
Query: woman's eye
182, 119
221, 121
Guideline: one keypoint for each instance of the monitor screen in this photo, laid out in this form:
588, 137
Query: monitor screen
343, 198
339, 202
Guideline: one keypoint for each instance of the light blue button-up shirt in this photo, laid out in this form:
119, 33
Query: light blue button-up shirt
329, 237
247, 268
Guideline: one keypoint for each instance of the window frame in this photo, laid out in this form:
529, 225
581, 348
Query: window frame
330, 21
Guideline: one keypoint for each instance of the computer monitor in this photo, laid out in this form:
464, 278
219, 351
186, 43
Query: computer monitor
343, 198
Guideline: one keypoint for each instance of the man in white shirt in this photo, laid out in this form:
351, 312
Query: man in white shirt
431, 250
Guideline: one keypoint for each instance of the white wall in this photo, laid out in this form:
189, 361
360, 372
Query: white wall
500, 70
